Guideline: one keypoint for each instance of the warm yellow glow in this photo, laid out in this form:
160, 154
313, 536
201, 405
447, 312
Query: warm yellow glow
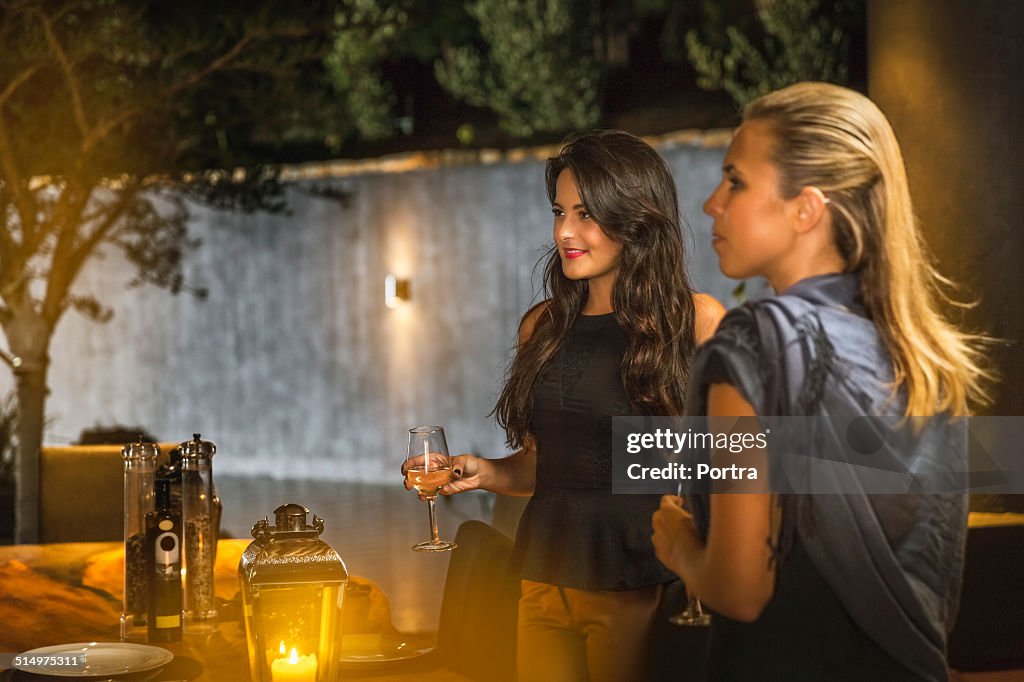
454, 158
403, 260
295, 668
282, 649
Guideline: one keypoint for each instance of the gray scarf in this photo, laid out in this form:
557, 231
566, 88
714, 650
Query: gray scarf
894, 561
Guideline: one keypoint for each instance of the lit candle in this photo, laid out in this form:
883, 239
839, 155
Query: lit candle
295, 668
426, 457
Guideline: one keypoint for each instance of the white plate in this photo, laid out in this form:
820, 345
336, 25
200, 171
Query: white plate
101, 658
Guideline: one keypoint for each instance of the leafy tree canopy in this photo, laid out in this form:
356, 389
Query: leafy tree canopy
549, 66
749, 53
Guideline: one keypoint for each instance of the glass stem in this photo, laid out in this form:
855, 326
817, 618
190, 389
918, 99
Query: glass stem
434, 538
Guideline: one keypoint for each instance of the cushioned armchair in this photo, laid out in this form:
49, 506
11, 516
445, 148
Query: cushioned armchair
81, 493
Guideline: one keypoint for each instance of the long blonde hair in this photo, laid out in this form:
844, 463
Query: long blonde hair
838, 140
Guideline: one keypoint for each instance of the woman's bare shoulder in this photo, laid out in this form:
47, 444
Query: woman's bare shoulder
529, 322
709, 312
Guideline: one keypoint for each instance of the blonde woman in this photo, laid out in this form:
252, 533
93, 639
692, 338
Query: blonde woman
814, 197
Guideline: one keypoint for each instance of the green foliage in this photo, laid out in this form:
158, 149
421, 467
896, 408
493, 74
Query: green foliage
366, 35
792, 40
537, 68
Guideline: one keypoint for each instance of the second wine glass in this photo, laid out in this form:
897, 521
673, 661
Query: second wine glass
693, 614
428, 469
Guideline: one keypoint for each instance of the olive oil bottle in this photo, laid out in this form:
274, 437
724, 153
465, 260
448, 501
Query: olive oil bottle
163, 557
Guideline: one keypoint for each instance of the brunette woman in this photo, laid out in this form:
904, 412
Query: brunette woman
615, 336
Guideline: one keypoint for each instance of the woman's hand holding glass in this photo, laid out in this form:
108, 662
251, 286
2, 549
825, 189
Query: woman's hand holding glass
465, 475
428, 469
674, 529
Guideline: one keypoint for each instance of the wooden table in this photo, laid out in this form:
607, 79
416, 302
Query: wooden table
71, 592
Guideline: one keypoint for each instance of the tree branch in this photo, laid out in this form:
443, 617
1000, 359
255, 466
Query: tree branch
69, 75
12, 361
69, 257
221, 63
98, 133
17, 82
65, 216
23, 199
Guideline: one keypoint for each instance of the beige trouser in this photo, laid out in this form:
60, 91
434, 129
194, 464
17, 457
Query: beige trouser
568, 635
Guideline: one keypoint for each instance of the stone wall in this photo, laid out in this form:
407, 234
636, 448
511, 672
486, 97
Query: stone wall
293, 365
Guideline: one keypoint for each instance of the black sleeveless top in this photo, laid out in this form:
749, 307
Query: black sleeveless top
574, 532
804, 634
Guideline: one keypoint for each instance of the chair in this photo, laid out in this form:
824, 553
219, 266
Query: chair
477, 630
989, 629
81, 493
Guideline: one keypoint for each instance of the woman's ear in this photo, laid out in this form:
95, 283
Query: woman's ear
811, 207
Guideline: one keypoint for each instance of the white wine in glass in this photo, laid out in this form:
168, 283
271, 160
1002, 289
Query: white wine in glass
428, 469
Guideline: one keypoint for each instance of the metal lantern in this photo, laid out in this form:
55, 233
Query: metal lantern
292, 589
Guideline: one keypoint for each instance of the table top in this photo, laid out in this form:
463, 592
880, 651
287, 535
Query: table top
994, 520
71, 592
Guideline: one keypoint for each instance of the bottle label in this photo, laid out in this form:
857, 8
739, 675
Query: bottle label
168, 621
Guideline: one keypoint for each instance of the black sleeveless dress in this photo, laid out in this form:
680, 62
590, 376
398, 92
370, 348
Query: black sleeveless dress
574, 532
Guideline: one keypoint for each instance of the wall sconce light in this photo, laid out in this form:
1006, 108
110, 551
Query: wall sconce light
396, 291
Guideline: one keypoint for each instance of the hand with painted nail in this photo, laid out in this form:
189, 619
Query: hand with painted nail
465, 475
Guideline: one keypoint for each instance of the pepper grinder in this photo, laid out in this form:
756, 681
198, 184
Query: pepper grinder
139, 470
200, 537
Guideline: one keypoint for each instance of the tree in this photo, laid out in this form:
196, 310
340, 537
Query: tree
367, 34
540, 65
114, 115
791, 41
541, 73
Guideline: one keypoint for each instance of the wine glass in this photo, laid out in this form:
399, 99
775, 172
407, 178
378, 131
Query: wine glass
693, 614
428, 469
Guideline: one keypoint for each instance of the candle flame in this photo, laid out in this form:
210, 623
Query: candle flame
282, 649
293, 657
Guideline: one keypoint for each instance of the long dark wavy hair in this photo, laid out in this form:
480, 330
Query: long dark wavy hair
628, 190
